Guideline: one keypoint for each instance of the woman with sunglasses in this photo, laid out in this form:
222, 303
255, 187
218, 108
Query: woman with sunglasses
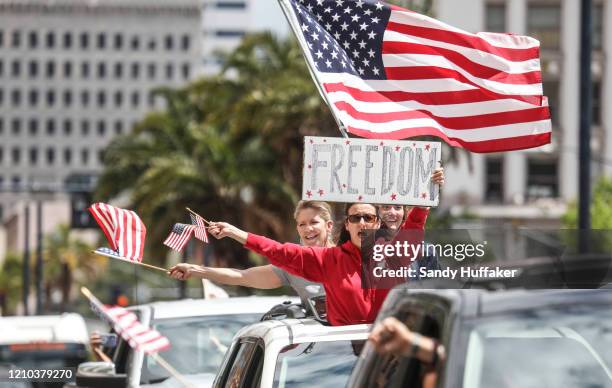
337, 268
314, 226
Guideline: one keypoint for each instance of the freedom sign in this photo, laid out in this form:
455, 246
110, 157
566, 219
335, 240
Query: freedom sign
370, 171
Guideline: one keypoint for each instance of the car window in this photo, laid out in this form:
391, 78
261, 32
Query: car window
326, 364
558, 348
198, 344
239, 369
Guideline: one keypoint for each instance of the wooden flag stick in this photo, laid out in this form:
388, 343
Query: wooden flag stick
131, 262
196, 214
163, 363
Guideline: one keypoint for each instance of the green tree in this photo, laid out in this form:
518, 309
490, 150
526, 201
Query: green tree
601, 207
227, 146
11, 280
68, 262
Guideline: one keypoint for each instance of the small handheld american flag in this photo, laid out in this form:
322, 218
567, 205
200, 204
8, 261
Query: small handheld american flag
123, 229
200, 230
179, 236
390, 73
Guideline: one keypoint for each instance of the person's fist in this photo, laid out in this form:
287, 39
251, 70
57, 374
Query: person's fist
182, 271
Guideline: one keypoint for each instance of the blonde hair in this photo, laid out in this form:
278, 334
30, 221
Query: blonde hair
322, 208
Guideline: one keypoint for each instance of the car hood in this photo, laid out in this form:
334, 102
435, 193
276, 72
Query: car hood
202, 380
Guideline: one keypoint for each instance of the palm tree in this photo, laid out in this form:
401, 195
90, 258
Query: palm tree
68, 261
228, 146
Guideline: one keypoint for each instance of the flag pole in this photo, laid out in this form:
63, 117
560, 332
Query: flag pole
294, 23
131, 262
196, 214
163, 363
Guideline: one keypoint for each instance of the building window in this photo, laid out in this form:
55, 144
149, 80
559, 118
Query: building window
169, 71
50, 156
85, 70
135, 43
135, 70
50, 127
16, 182
152, 44
1, 126
33, 127
118, 98
16, 97
135, 99
118, 41
67, 156
67, 98
186, 70
33, 39
551, 90
67, 69
33, 156
16, 41
118, 127
118, 70
50, 98
543, 23
1, 96
84, 156
67, 127
185, 42
597, 33
84, 38
50, 40
1, 161
494, 185
151, 70
542, 179
33, 69
169, 42
230, 5
101, 41
85, 98
84, 128
597, 103
495, 17
1, 38
101, 128
1, 67
229, 33
16, 68
50, 69
101, 99
101, 156
15, 156
16, 127
67, 40
101, 70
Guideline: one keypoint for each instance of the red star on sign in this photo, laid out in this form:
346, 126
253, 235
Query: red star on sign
397, 148
310, 166
414, 144
427, 147
309, 193
382, 143
344, 185
393, 196
424, 195
311, 141
360, 198
321, 192
348, 142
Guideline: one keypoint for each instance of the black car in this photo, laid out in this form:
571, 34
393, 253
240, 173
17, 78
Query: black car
513, 338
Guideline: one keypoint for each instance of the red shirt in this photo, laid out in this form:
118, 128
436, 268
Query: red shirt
337, 268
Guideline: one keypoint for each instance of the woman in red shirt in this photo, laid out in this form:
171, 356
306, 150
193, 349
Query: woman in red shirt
337, 268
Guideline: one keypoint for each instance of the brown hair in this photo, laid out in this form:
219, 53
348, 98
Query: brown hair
343, 235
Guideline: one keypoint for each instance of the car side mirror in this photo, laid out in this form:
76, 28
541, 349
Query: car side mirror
99, 375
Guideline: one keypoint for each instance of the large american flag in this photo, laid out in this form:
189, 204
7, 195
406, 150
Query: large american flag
123, 229
389, 73
179, 236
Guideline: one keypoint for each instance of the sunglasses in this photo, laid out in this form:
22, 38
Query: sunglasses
367, 218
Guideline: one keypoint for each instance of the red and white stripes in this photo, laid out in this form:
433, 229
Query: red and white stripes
123, 229
137, 335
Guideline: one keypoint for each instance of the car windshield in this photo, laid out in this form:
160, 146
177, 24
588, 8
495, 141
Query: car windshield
570, 347
198, 344
329, 364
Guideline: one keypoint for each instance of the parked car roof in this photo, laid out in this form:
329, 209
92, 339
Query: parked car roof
69, 327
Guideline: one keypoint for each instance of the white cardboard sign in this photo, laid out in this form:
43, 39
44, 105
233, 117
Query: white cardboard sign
370, 171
